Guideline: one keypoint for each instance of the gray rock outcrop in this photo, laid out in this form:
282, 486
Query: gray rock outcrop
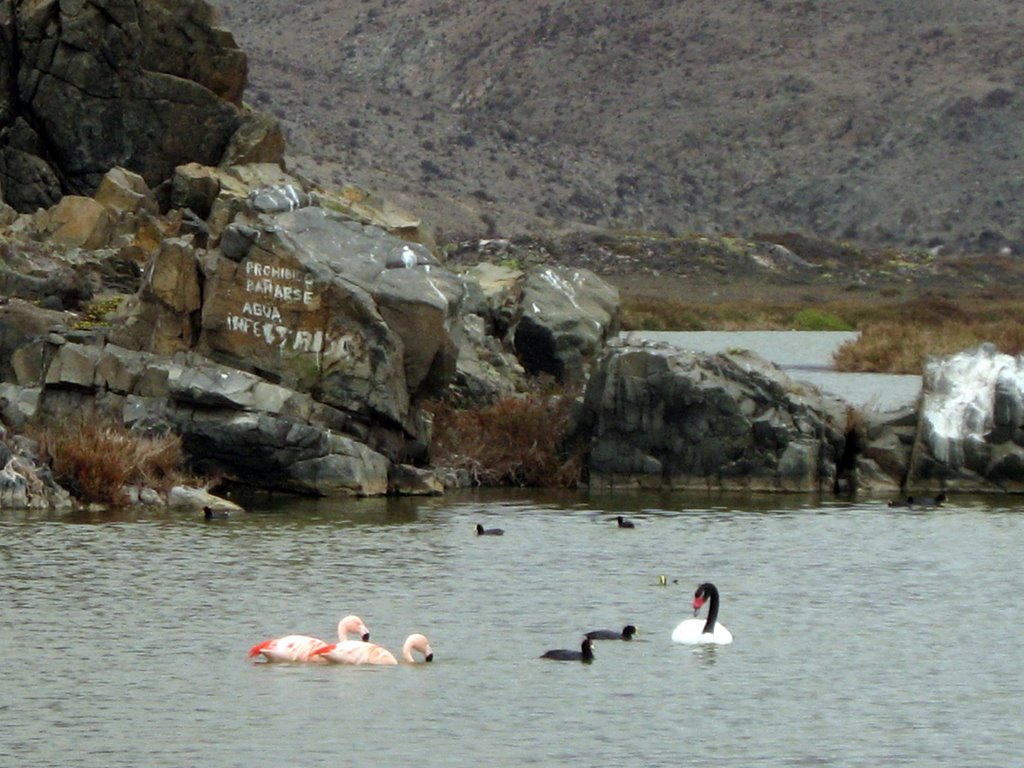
567, 315
86, 86
232, 423
659, 416
289, 344
970, 434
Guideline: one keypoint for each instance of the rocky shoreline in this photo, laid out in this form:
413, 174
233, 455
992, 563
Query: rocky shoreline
293, 350
292, 337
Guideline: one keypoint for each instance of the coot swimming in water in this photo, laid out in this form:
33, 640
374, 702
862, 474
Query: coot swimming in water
610, 634
585, 653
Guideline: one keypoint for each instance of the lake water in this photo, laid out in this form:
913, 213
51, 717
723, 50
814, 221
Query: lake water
806, 356
865, 635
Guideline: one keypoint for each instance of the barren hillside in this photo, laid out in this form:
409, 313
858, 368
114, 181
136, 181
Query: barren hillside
879, 121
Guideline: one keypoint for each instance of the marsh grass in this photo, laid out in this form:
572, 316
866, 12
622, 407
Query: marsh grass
902, 347
895, 336
96, 458
518, 441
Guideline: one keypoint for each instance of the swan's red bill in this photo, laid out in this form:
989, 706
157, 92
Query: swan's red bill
698, 602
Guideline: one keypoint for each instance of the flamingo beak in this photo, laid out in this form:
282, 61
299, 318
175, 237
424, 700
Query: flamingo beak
429, 656
366, 637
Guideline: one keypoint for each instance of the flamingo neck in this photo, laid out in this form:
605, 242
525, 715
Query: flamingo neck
416, 643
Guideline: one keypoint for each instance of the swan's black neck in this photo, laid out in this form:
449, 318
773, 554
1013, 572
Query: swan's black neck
710, 592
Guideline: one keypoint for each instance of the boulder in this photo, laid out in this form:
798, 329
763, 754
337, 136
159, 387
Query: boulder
25, 484
146, 86
367, 208
122, 191
484, 370
887, 444
258, 139
21, 323
232, 423
970, 434
306, 297
28, 181
407, 480
195, 186
25, 481
18, 404
566, 317
183, 498
77, 222
164, 316
659, 416
14, 490
266, 451
496, 291
422, 308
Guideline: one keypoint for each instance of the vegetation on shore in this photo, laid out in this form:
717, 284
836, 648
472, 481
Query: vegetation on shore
518, 441
895, 336
96, 458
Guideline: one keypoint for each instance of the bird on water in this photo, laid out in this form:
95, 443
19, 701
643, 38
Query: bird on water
584, 654
703, 631
626, 633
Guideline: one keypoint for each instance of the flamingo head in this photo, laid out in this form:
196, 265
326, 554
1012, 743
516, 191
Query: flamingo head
353, 625
418, 642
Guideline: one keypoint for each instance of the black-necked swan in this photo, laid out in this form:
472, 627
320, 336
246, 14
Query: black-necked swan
585, 653
610, 634
703, 631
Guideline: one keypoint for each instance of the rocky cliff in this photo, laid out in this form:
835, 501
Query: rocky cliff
87, 86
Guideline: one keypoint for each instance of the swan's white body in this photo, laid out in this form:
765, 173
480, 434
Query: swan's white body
304, 647
691, 632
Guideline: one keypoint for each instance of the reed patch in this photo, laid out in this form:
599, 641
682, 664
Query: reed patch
95, 458
521, 441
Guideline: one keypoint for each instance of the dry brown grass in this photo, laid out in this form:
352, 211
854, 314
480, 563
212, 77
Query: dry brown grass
902, 347
518, 441
95, 459
895, 336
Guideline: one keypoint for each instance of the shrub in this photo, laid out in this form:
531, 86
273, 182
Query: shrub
95, 458
901, 347
817, 320
517, 441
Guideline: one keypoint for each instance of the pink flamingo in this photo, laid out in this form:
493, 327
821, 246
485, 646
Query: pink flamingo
303, 647
361, 652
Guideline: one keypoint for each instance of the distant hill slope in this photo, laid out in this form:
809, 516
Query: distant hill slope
880, 121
